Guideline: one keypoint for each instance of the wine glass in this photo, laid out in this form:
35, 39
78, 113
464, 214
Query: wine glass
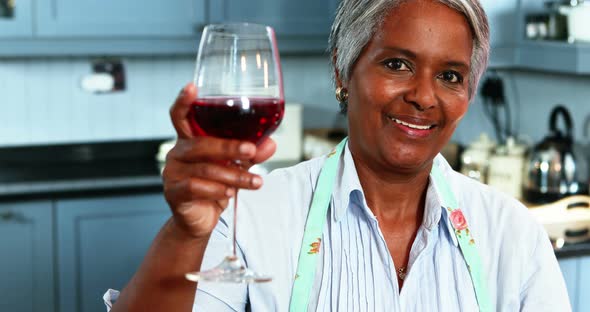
240, 96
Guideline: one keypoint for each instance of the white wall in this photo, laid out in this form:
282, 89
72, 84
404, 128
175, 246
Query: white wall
41, 101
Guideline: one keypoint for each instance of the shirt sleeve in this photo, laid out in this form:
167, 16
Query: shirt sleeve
544, 289
109, 298
220, 296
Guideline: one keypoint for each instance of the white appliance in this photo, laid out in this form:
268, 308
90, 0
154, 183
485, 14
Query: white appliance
578, 21
288, 135
566, 220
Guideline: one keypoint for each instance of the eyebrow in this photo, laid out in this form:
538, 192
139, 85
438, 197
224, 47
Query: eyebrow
458, 64
405, 52
412, 54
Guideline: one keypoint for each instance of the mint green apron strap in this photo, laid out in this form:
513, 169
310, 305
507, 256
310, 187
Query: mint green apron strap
466, 241
314, 227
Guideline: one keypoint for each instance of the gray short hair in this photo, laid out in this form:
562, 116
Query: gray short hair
357, 20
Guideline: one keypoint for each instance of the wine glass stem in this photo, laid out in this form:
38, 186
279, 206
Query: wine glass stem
235, 254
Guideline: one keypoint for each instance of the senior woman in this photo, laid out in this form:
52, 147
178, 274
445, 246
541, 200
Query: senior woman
401, 230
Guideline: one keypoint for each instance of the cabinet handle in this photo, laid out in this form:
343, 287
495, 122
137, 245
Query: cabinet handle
7, 8
7, 215
15, 217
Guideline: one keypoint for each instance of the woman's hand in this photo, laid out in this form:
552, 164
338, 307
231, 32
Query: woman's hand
199, 177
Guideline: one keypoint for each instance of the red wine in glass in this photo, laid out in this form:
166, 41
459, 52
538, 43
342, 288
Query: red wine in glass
241, 118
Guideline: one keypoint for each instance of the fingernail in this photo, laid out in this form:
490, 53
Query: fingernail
257, 181
246, 149
230, 192
181, 93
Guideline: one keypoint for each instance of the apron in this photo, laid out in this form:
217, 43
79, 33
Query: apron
315, 225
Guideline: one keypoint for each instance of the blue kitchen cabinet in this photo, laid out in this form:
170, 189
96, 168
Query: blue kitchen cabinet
505, 25
584, 284
288, 18
101, 243
299, 25
118, 19
576, 272
569, 269
26, 257
19, 24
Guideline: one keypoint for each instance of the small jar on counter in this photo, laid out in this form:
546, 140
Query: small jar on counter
475, 159
506, 169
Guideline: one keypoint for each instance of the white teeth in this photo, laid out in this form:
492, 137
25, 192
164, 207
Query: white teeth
411, 125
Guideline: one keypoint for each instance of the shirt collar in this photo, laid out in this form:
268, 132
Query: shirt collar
348, 184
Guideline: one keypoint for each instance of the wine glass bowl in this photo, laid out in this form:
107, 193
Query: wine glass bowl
239, 96
239, 83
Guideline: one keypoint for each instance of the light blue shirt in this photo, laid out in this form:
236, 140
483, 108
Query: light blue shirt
356, 272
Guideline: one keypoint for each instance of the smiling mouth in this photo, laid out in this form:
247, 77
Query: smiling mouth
413, 126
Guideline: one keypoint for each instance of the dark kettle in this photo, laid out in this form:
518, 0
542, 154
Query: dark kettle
553, 170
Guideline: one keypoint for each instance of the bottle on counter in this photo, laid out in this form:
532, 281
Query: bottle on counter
476, 158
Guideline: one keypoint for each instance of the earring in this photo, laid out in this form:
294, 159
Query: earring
341, 94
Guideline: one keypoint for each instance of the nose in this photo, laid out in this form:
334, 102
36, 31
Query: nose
422, 93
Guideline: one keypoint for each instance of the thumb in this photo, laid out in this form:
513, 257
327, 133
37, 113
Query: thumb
180, 110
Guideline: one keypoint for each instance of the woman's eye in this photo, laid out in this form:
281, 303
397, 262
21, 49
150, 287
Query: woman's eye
396, 64
452, 77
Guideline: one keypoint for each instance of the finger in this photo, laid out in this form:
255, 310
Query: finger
191, 189
230, 176
264, 151
180, 110
210, 148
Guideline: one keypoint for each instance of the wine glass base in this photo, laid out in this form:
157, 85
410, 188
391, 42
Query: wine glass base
230, 270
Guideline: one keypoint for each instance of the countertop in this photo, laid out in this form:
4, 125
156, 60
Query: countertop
573, 250
58, 171
79, 169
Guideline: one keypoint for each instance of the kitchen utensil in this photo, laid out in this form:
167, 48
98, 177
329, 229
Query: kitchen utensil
567, 220
506, 167
476, 158
578, 20
553, 170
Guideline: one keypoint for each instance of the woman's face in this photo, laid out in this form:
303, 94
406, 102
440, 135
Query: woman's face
408, 89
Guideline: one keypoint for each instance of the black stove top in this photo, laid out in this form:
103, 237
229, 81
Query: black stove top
54, 168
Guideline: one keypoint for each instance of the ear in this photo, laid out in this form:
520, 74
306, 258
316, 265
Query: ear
336, 72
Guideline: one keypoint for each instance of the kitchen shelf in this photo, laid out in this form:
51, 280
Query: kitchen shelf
554, 56
502, 57
18, 48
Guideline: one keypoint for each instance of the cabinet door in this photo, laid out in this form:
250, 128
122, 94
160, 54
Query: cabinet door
584, 284
17, 22
101, 243
505, 27
288, 18
114, 18
26, 257
569, 269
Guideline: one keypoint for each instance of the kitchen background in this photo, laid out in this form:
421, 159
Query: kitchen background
42, 101
70, 227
